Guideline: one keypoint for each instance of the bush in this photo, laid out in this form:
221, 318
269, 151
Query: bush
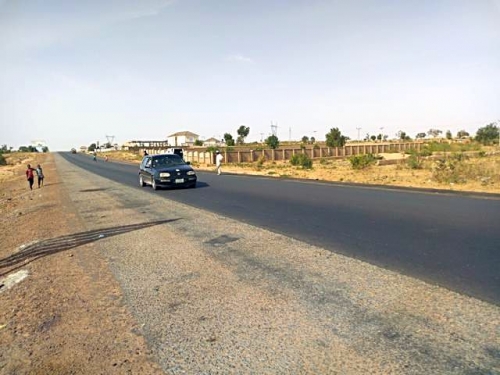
447, 171
425, 152
301, 160
362, 161
414, 161
459, 156
2, 160
261, 160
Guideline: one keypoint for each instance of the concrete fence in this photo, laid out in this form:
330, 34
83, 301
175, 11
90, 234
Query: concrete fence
283, 154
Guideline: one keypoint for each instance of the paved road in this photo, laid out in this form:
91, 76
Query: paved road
447, 239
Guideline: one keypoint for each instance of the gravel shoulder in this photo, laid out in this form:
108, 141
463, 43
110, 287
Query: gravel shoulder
212, 295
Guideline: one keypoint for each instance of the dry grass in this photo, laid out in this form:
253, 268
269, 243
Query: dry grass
480, 174
16, 164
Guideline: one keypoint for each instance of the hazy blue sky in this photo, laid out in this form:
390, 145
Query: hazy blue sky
72, 72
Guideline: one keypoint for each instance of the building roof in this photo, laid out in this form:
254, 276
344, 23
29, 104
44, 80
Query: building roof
184, 133
211, 140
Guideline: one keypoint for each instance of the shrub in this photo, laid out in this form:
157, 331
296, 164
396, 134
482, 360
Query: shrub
301, 160
261, 160
459, 156
2, 160
447, 171
425, 152
414, 161
362, 161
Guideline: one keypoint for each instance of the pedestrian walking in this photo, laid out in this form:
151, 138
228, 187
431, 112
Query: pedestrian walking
40, 175
30, 176
218, 162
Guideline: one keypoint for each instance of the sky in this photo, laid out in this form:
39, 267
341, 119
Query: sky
74, 72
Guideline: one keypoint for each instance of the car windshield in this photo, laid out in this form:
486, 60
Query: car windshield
167, 161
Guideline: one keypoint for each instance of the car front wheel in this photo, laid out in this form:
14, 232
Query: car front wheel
153, 184
141, 181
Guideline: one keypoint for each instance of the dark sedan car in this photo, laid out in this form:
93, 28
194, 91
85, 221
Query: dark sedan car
166, 171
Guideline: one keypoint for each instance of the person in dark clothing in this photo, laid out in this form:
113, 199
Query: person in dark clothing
30, 176
145, 153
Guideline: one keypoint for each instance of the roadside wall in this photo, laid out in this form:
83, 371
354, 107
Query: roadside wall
282, 154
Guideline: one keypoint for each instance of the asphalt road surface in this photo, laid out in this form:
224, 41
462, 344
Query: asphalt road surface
452, 240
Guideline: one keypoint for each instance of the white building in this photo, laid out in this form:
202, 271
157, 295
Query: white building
184, 138
211, 142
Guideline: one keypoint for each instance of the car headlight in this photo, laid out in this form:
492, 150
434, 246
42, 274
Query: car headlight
164, 174
190, 173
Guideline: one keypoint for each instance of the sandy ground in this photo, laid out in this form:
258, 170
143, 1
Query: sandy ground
123, 281
67, 316
388, 175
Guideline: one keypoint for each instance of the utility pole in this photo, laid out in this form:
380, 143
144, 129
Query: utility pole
274, 129
498, 126
111, 139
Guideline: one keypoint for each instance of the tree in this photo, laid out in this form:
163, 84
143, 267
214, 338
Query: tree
228, 139
367, 137
243, 132
45, 149
4, 149
420, 135
272, 141
373, 137
462, 134
305, 139
434, 132
379, 137
448, 135
313, 140
335, 138
198, 142
488, 134
92, 147
28, 149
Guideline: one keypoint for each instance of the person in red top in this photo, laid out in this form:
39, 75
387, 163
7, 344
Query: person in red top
30, 176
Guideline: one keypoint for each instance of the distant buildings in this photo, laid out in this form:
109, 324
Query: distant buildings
184, 138
179, 139
212, 142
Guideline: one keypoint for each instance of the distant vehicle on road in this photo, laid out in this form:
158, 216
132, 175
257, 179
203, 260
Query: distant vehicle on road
166, 170
73, 151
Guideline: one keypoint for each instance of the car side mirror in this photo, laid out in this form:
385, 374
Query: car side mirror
188, 163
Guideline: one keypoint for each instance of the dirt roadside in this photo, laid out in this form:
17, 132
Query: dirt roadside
67, 316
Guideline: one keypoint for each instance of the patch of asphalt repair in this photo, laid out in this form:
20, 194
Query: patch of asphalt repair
213, 295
